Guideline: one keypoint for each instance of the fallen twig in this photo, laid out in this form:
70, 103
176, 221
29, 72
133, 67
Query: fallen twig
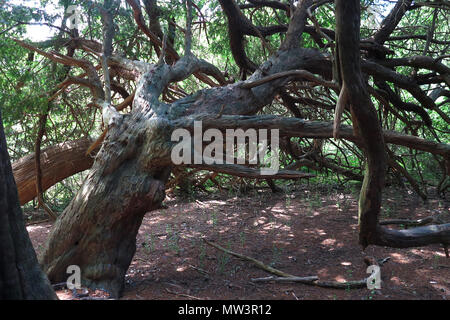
254, 261
306, 280
310, 280
200, 270
182, 294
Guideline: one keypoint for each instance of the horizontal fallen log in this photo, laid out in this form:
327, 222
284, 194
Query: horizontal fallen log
314, 281
356, 284
307, 280
58, 162
415, 237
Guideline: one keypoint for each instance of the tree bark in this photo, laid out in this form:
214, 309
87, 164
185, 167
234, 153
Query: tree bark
58, 163
368, 128
20, 274
97, 231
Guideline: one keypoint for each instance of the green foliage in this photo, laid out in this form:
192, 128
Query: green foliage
28, 80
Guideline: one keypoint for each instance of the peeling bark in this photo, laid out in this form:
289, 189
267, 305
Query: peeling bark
58, 163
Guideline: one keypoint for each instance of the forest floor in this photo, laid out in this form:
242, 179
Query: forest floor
306, 231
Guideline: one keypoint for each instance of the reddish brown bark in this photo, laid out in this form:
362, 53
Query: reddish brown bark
58, 163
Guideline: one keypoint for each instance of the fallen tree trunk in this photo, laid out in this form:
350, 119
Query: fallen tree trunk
20, 274
58, 163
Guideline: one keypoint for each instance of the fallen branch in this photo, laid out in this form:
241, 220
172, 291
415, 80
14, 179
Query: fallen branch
286, 277
306, 280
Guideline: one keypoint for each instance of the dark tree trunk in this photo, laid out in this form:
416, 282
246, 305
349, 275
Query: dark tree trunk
365, 119
20, 274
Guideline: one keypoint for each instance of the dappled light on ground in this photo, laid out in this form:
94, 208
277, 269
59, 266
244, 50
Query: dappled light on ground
301, 233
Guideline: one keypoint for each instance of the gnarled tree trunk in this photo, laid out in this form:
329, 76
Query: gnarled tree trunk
368, 128
97, 231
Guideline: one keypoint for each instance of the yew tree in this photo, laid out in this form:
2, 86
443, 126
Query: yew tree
304, 55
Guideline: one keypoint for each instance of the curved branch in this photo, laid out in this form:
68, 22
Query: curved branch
391, 21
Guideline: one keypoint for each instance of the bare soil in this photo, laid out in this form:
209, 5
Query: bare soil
305, 231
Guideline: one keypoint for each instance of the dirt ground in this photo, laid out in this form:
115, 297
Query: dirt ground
303, 232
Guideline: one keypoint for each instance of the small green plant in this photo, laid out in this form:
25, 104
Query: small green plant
172, 239
350, 273
288, 200
387, 212
149, 245
276, 254
317, 201
214, 218
223, 260
435, 261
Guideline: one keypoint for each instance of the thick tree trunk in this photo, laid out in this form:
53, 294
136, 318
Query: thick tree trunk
20, 274
365, 119
97, 231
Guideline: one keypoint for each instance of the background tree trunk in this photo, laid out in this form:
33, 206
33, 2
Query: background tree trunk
20, 274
